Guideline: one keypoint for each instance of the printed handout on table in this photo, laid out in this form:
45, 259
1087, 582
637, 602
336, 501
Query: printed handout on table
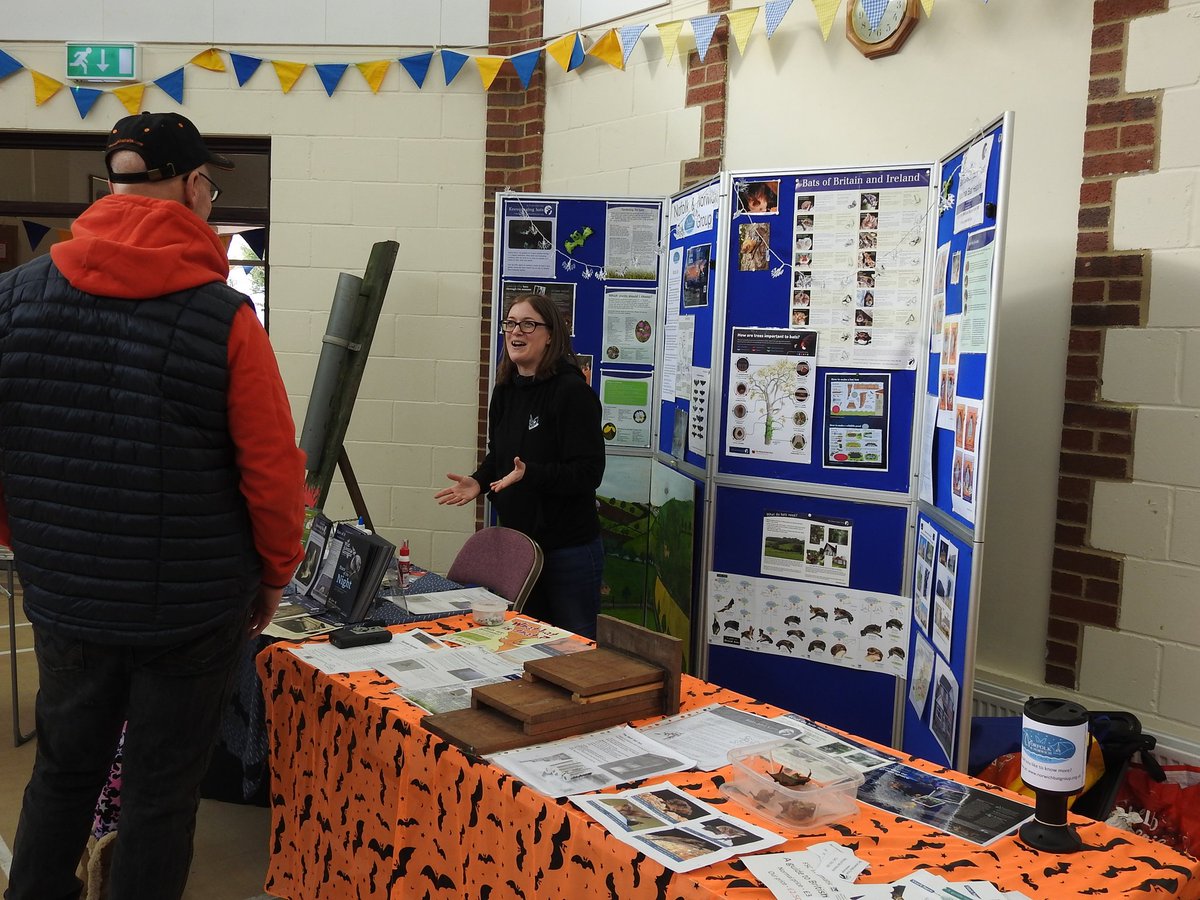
710, 732
674, 828
516, 632
530, 232
451, 666
339, 661
771, 391
806, 547
590, 762
845, 749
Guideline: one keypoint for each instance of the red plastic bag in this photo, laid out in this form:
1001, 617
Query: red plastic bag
1170, 810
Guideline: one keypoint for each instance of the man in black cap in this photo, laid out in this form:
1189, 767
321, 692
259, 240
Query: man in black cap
151, 490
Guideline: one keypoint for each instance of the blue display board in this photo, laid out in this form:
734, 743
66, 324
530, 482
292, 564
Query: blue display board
940, 645
841, 278
954, 374
856, 700
600, 260
947, 554
690, 305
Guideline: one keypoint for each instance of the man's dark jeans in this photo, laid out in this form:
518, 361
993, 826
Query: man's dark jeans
172, 699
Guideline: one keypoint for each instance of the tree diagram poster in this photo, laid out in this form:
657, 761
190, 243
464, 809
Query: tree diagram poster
772, 375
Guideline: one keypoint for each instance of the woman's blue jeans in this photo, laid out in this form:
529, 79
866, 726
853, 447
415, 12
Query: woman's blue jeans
567, 593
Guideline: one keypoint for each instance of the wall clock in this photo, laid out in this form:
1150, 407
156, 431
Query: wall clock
895, 25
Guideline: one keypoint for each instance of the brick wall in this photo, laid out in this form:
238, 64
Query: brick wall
516, 118
708, 88
1110, 291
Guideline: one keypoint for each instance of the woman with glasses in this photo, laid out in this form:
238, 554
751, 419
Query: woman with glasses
544, 462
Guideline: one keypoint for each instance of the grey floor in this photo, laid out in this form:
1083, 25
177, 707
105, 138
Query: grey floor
231, 841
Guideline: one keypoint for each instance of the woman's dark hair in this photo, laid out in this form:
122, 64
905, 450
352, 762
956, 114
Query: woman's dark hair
557, 350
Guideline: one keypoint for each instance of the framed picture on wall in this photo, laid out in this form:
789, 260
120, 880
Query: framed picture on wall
97, 187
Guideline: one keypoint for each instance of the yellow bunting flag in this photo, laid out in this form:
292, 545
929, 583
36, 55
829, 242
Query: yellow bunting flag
288, 72
44, 87
374, 72
826, 12
740, 23
63, 234
209, 59
131, 97
668, 33
609, 49
928, 4
489, 67
562, 49
226, 240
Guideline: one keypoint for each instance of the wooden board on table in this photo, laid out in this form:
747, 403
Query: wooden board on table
592, 672
541, 706
662, 650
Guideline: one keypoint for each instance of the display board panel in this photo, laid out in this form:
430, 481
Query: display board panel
824, 273
690, 310
810, 676
599, 260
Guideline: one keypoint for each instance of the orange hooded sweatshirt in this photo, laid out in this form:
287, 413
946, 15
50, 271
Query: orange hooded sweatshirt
141, 247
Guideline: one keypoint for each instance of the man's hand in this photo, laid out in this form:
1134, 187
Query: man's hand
463, 491
263, 609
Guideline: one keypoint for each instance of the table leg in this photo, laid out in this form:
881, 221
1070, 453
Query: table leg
18, 737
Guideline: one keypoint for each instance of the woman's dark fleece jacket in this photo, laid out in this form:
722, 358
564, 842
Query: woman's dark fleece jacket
553, 425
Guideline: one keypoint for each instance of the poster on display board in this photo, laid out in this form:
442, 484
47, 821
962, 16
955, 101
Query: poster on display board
690, 309
598, 260
770, 405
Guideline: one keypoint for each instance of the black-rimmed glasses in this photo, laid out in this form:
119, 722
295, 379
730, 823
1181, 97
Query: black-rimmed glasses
525, 326
216, 188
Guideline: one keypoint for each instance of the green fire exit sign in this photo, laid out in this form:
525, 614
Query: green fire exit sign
101, 62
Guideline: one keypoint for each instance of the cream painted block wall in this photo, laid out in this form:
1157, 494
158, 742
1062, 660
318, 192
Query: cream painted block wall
347, 171
1150, 663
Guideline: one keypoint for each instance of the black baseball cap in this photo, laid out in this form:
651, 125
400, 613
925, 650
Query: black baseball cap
168, 142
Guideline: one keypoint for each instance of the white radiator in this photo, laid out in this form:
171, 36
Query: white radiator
994, 700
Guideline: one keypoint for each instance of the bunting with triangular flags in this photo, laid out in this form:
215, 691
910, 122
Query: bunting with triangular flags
331, 75
668, 33
775, 10
489, 67
608, 48
826, 13
452, 63
85, 99
374, 72
8, 65
629, 36
567, 51
525, 64
44, 87
131, 97
741, 21
63, 234
209, 59
874, 10
288, 72
417, 67
928, 4
244, 66
34, 232
703, 28
172, 84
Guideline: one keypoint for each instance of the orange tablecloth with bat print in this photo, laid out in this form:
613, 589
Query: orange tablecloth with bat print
368, 804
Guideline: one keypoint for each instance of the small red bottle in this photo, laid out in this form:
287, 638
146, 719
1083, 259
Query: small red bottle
405, 565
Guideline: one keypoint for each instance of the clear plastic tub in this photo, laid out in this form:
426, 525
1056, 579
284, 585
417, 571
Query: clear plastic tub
791, 784
489, 610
